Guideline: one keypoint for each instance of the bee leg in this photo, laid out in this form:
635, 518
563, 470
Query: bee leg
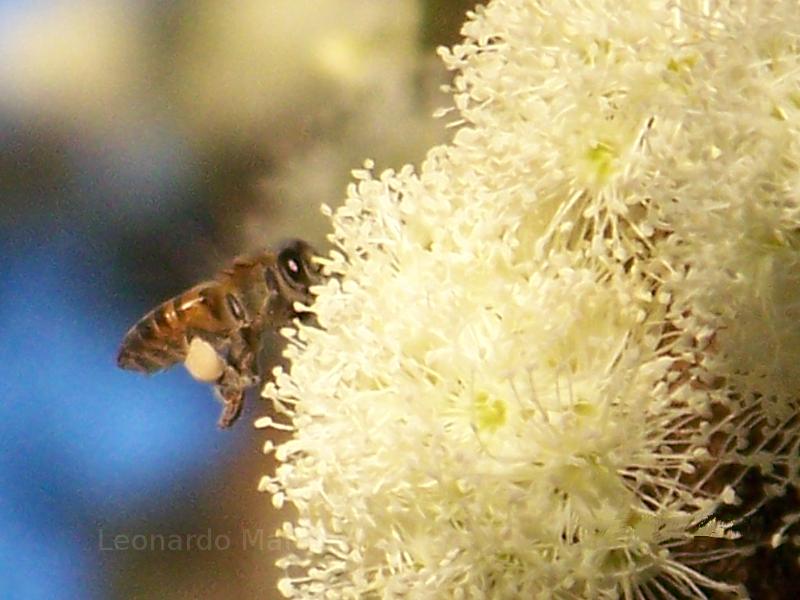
231, 388
232, 403
238, 376
244, 352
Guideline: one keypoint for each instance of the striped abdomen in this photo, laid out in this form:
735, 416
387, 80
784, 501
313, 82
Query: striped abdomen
161, 338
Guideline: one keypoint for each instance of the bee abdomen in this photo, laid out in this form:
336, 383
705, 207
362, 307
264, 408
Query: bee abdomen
157, 341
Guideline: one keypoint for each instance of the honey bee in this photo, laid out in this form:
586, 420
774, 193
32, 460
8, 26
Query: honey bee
226, 319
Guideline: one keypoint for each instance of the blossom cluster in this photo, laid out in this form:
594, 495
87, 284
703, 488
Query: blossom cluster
552, 361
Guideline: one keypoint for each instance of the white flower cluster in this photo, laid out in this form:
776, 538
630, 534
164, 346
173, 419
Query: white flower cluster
549, 358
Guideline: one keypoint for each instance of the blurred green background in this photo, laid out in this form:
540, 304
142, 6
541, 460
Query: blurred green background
142, 146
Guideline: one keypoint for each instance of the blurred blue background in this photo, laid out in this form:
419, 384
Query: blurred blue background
82, 443
142, 146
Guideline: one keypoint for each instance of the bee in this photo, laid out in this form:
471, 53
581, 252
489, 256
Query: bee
217, 326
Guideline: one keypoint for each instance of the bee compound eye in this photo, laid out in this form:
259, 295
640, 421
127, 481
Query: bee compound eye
292, 265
